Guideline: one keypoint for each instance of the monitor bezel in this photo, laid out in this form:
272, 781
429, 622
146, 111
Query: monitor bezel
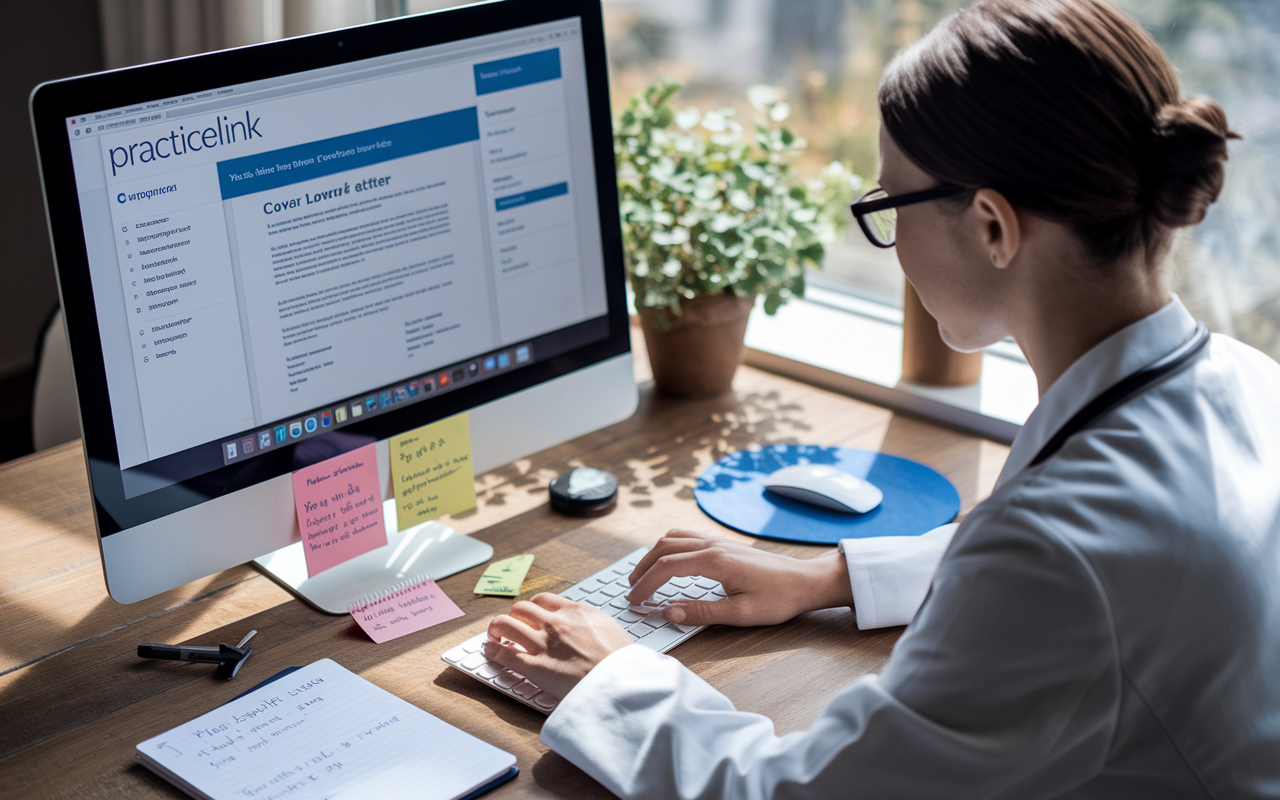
51, 104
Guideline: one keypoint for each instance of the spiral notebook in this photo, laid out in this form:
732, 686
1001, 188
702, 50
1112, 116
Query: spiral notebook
322, 731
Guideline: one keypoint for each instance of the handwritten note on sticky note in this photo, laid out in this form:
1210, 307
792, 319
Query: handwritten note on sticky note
432, 469
339, 506
404, 608
504, 578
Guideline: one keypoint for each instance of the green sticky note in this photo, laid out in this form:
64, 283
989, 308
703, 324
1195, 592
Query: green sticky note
505, 577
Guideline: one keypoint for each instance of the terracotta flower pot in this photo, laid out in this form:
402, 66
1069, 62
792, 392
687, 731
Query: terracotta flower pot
926, 359
698, 355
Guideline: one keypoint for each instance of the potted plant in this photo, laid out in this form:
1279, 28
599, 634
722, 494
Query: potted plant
713, 220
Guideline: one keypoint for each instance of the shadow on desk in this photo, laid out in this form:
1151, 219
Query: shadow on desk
76, 700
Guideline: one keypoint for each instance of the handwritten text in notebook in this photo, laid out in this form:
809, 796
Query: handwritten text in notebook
322, 732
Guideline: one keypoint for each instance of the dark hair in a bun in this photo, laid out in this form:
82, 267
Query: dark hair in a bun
1069, 109
1189, 146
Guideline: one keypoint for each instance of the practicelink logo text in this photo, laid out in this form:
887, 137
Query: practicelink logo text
180, 142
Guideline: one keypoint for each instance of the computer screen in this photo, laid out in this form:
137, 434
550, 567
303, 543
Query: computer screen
291, 264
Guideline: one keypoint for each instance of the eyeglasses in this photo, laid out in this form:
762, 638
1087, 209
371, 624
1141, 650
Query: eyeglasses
877, 211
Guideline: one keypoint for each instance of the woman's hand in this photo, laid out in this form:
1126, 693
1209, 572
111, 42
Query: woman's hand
553, 641
763, 588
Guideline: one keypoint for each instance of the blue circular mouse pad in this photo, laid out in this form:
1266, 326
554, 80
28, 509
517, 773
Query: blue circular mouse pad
916, 498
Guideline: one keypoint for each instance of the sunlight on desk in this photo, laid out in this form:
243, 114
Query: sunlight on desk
68, 734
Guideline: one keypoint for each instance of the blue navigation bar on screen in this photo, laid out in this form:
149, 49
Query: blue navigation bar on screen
509, 73
304, 162
525, 198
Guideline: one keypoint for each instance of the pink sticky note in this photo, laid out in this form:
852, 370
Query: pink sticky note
405, 608
339, 508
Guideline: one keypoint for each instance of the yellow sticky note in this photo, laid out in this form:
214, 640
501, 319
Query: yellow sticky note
432, 471
504, 577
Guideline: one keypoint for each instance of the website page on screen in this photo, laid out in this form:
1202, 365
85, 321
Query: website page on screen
259, 266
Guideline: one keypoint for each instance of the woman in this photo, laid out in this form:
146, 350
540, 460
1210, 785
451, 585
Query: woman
1107, 623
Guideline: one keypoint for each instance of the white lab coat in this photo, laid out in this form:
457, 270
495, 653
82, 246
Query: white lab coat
1105, 625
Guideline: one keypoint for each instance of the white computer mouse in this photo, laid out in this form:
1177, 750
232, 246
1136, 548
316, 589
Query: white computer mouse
825, 487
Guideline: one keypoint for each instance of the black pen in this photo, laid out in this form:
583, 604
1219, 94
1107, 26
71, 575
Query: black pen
227, 658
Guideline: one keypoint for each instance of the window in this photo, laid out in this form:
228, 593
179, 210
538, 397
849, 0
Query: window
828, 55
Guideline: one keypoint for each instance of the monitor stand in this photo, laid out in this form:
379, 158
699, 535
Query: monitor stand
427, 549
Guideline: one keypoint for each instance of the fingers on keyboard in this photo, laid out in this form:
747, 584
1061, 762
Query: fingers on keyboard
607, 591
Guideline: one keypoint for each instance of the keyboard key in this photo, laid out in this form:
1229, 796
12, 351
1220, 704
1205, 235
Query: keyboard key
472, 662
681, 582
628, 616
694, 593
489, 670
597, 599
507, 679
619, 602
526, 690
640, 629
706, 583
719, 593
473, 644
455, 655
544, 700
576, 593
613, 590
655, 619
662, 639
666, 590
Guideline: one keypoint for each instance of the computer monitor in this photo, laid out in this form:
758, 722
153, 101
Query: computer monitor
273, 255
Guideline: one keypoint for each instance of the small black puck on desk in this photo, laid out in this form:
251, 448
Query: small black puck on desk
584, 490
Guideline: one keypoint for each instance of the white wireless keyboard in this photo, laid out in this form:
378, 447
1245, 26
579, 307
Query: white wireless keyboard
606, 590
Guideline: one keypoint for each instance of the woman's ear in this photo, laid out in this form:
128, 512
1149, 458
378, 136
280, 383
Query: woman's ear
1001, 233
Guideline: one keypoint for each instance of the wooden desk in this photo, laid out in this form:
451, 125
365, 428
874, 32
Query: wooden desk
75, 699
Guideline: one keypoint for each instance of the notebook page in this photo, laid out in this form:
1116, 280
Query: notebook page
324, 732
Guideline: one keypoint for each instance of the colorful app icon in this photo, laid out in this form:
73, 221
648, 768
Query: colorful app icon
444, 379
310, 424
458, 375
281, 435
413, 389
264, 440
387, 399
522, 354
246, 445
490, 363
402, 394
357, 409
504, 360
371, 403
231, 450
428, 385
340, 415
326, 419
295, 429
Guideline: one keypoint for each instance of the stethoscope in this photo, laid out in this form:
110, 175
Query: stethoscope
1124, 391
1110, 400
